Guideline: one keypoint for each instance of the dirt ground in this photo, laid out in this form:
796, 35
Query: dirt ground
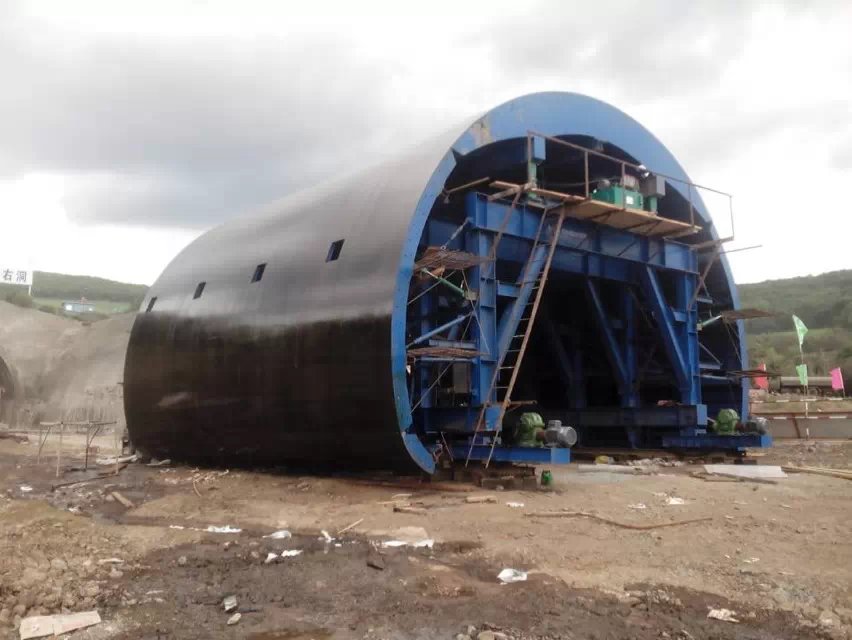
778, 554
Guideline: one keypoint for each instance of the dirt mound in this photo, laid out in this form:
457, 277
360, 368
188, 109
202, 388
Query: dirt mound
65, 368
33, 341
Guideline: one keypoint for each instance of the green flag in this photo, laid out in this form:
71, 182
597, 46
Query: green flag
801, 329
802, 370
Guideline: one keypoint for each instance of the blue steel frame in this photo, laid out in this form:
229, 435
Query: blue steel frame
600, 254
560, 114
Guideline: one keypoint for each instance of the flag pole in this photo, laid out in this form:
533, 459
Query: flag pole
802, 369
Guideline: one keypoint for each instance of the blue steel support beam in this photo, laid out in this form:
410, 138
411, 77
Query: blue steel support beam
423, 371
513, 313
684, 290
628, 314
433, 332
566, 366
479, 241
518, 455
613, 349
583, 247
675, 338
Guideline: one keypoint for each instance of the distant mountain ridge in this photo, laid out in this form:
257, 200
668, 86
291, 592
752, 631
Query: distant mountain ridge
59, 285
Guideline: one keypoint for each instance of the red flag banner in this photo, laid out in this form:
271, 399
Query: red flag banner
836, 379
762, 382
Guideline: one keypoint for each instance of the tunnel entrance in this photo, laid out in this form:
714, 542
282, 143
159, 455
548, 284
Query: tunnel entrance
566, 283
8, 393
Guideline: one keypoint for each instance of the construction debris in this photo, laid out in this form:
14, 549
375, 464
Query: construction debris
725, 615
281, 534
104, 462
480, 499
55, 625
623, 525
611, 468
223, 529
127, 503
820, 471
351, 526
507, 576
406, 509
748, 471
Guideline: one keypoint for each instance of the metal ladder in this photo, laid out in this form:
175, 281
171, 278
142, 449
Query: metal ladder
528, 313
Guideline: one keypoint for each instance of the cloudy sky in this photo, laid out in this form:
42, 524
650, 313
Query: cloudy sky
127, 129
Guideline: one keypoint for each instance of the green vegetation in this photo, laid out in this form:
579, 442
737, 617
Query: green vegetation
51, 289
823, 302
65, 287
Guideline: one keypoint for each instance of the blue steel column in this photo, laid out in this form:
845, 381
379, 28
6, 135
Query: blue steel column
609, 339
686, 283
669, 334
423, 368
479, 241
630, 397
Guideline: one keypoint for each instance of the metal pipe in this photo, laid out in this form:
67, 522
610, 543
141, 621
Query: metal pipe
438, 330
446, 282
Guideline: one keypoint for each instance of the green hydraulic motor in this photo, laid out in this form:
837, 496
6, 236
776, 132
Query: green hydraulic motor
726, 422
529, 427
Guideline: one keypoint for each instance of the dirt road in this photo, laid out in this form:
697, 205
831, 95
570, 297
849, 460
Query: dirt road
778, 555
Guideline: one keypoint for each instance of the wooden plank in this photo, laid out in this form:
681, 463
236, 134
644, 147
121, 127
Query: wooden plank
127, 503
605, 213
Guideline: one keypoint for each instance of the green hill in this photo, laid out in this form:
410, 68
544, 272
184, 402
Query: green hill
823, 302
51, 289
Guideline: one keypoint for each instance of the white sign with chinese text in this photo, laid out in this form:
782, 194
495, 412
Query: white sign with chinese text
8, 275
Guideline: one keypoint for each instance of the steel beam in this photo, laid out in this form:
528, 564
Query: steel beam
530, 455
671, 338
611, 343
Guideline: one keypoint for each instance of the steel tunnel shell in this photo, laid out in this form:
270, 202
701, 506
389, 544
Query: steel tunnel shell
308, 365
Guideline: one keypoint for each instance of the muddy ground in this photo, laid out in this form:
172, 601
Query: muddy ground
779, 555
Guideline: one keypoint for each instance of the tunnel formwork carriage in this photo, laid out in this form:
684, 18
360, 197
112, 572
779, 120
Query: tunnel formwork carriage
552, 259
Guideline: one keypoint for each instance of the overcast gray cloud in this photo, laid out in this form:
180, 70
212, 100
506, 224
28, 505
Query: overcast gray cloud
157, 131
157, 128
635, 47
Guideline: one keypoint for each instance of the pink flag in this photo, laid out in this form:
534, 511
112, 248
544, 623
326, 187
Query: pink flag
836, 379
762, 382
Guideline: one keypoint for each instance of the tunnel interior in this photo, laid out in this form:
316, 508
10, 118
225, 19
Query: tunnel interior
617, 346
